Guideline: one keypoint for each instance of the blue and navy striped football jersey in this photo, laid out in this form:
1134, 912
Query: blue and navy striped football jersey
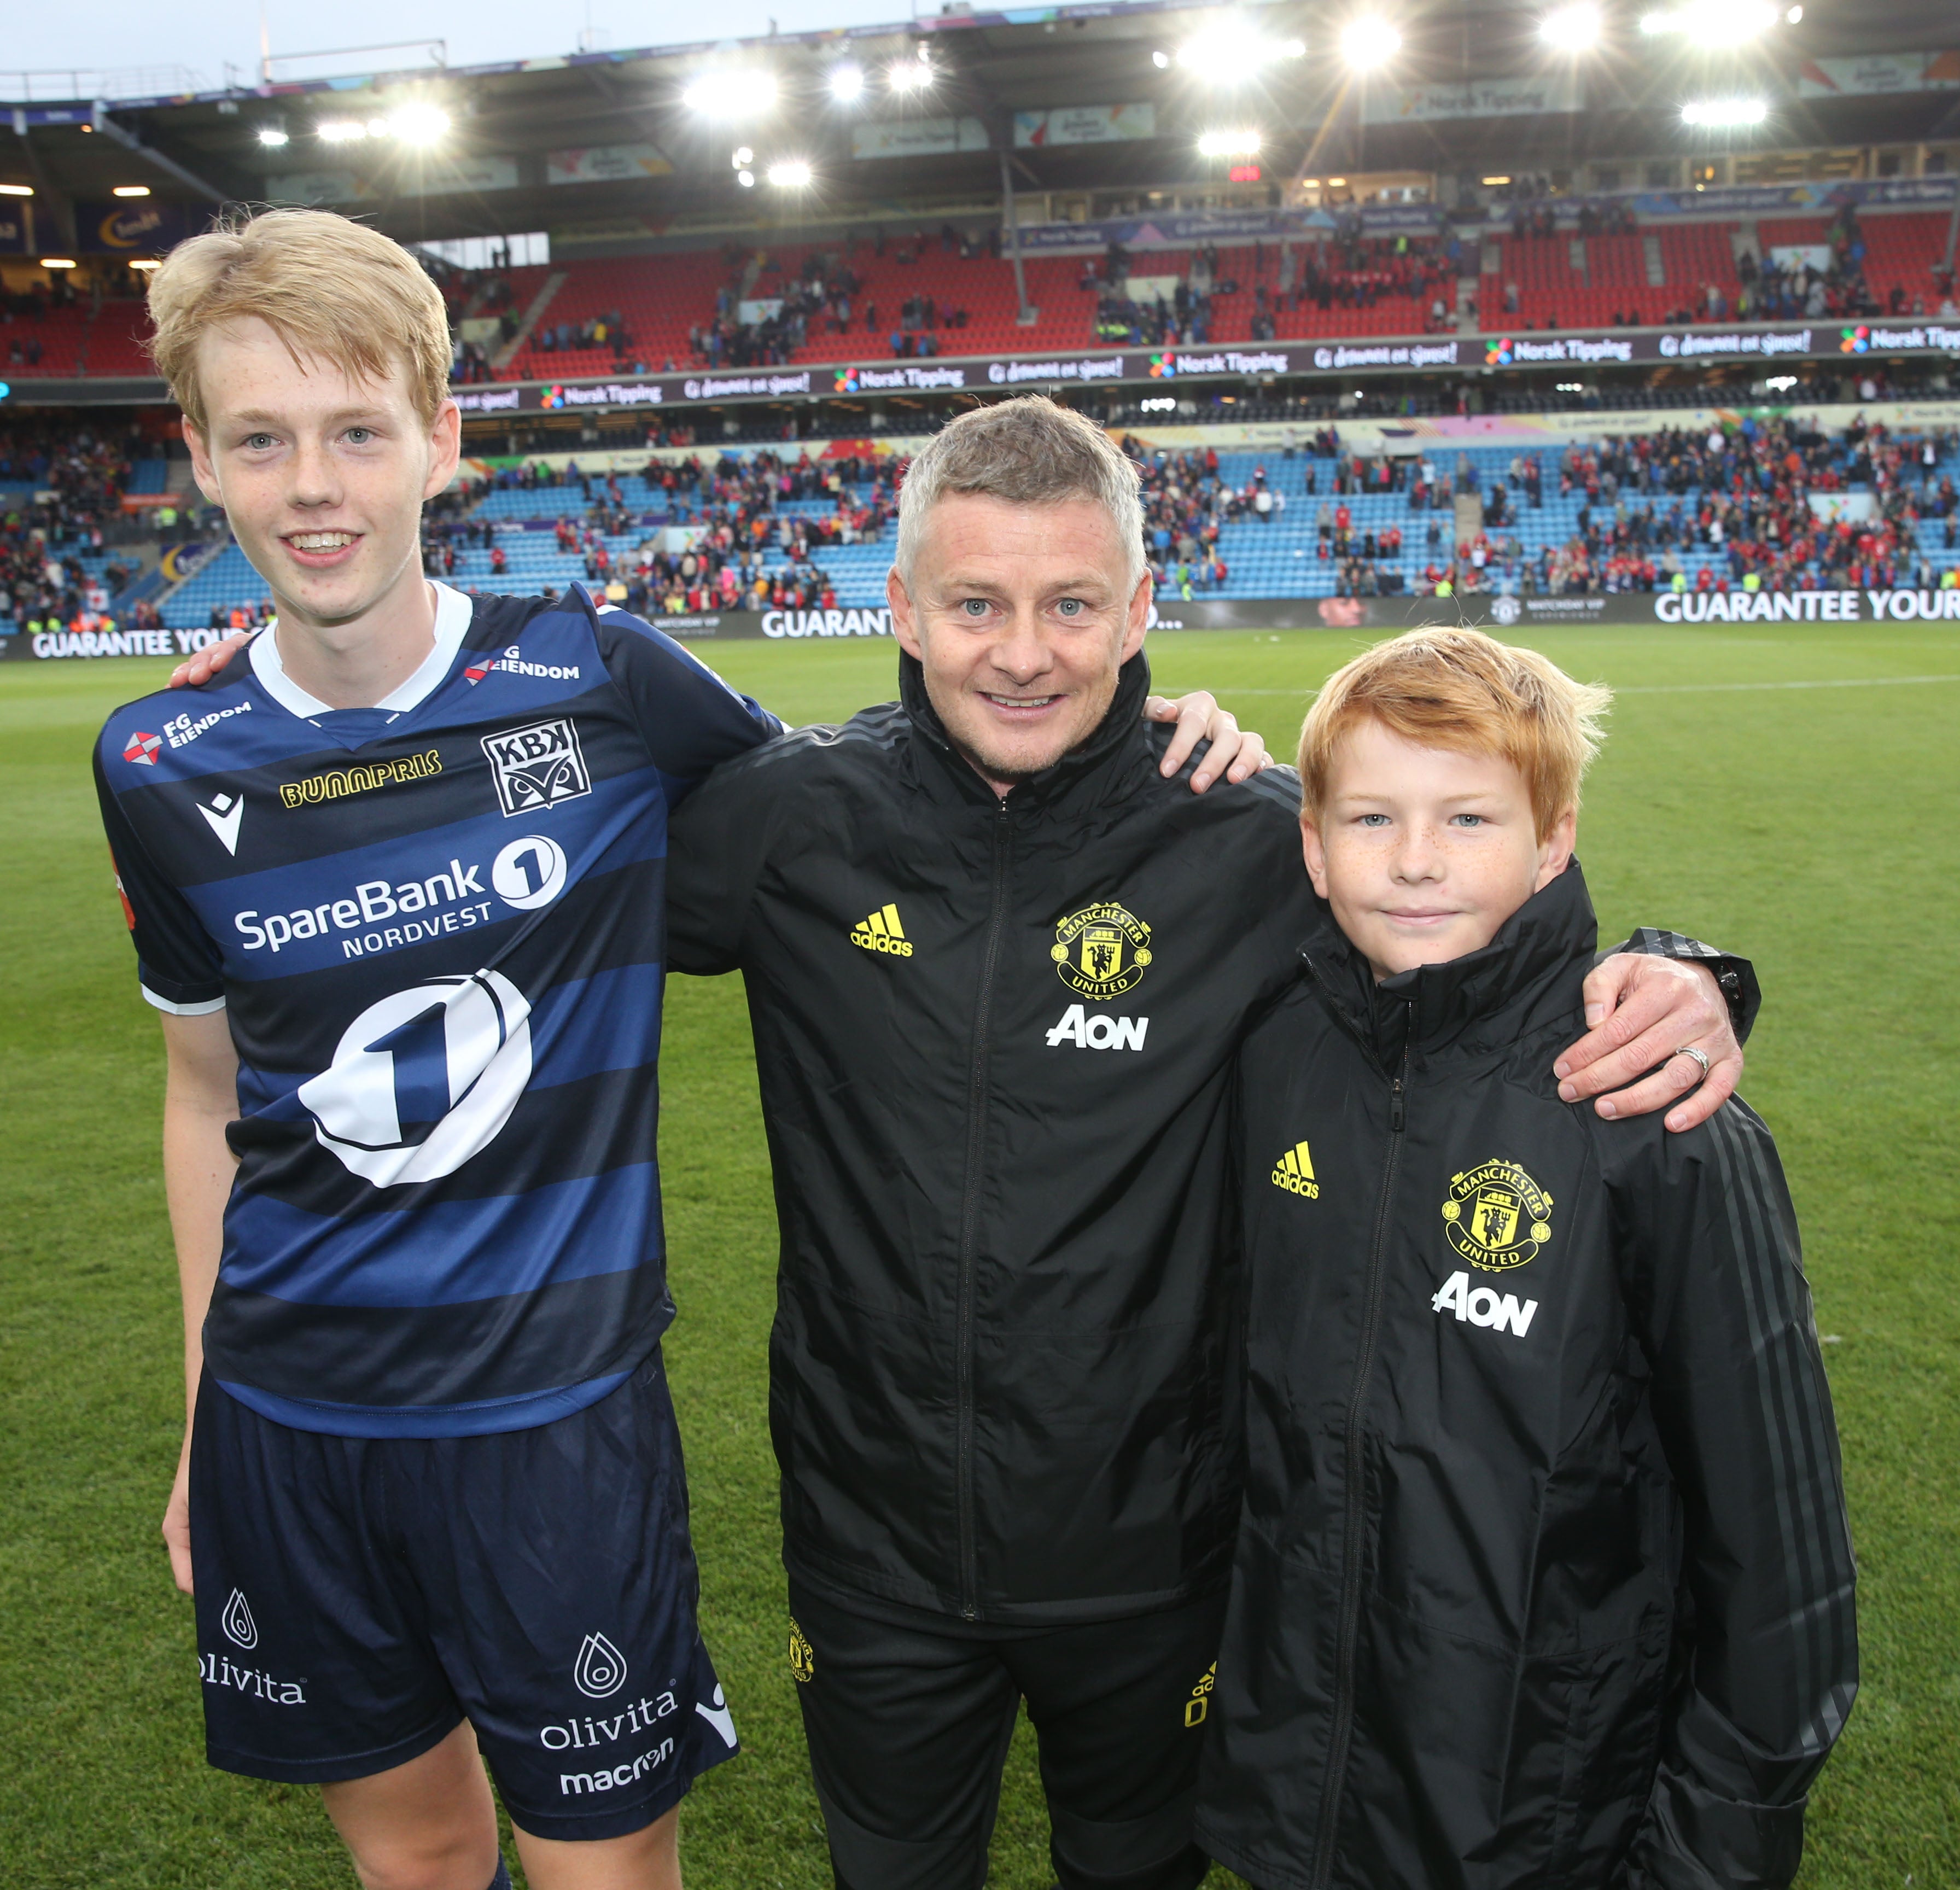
436, 928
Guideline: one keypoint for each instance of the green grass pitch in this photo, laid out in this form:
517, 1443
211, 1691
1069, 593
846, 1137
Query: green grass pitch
1812, 827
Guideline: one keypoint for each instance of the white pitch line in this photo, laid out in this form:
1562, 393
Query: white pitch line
1840, 683
1695, 688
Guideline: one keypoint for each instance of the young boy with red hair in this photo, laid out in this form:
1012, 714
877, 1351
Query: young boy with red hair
1543, 1575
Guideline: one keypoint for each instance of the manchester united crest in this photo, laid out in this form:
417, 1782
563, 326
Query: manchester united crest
1496, 1216
803, 1656
1102, 951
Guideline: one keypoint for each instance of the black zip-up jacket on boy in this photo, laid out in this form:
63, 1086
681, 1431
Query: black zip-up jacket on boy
995, 1038
1545, 1578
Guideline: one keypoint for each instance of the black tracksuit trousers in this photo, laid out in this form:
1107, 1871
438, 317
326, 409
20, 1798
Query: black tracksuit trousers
908, 1726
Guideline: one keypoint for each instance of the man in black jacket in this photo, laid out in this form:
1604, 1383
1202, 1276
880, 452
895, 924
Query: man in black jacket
998, 968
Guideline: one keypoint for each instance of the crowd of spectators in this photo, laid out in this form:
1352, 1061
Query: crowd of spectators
59, 487
1742, 499
1534, 213
1728, 510
1347, 270
1186, 504
1128, 314
1796, 287
735, 549
1352, 271
766, 324
596, 331
710, 536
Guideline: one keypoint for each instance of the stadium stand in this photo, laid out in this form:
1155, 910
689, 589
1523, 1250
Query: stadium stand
113, 341
659, 312
1604, 516
38, 339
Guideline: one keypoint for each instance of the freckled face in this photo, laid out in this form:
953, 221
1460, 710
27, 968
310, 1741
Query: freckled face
1423, 853
322, 478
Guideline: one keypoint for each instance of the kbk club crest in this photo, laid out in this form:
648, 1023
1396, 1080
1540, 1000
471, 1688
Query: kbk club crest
1496, 1216
1102, 951
537, 767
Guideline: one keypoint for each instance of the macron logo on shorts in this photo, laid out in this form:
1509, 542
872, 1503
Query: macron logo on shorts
719, 1716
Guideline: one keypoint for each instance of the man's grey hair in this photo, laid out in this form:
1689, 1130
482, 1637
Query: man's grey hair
1028, 451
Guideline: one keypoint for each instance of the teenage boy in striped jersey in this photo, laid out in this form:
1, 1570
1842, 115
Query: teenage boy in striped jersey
396, 882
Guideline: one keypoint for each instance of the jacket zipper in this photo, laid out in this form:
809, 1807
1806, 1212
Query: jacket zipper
969, 1221
1349, 1625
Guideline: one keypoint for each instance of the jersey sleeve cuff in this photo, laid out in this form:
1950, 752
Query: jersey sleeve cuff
181, 1008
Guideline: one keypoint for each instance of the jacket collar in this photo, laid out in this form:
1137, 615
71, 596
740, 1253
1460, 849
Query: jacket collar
1519, 983
1089, 770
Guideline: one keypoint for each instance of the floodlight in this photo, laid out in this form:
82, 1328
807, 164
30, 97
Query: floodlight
846, 83
1780, 383
130, 190
420, 124
272, 135
340, 131
1795, 17
730, 94
743, 158
58, 263
1369, 41
1716, 23
17, 190
1724, 112
908, 75
1160, 60
1228, 144
1572, 29
1231, 52
792, 174
145, 262
1491, 182
746, 179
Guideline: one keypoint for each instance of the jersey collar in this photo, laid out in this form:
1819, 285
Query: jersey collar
453, 611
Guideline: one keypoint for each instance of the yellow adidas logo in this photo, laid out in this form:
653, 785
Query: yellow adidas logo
1294, 1172
881, 932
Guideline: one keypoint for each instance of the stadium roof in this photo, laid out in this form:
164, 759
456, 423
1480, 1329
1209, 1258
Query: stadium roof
655, 159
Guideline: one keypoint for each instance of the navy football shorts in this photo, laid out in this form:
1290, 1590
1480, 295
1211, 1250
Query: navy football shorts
357, 1597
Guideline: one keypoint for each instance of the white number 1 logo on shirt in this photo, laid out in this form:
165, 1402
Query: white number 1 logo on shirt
424, 1079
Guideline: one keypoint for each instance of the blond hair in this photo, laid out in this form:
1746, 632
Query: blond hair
1028, 451
328, 287
1460, 689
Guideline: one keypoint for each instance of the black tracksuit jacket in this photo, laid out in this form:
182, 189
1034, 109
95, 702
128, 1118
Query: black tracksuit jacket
994, 1039
1545, 1578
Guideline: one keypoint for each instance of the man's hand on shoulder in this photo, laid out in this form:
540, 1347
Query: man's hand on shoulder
1236, 753
1645, 1013
208, 661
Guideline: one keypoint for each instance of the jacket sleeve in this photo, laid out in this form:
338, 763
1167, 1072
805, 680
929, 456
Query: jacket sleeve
719, 842
1736, 976
1708, 1245
690, 720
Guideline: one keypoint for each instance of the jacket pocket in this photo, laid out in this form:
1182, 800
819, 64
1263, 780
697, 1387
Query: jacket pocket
1473, 1767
